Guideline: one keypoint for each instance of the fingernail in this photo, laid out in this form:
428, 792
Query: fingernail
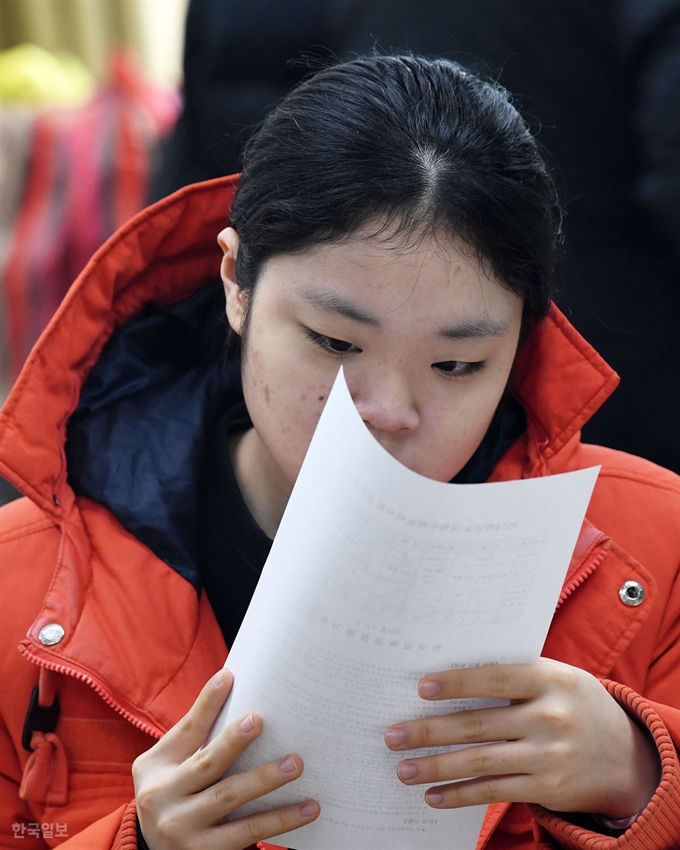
429, 688
308, 809
218, 678
396, 736
246, 725
434, 798
288, 765
407, 770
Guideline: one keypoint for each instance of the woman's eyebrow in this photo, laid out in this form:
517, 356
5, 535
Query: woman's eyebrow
474, 329
333, 302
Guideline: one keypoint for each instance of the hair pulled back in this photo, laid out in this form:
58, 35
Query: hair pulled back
419, 143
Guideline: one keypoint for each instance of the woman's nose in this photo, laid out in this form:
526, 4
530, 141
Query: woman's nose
387, 405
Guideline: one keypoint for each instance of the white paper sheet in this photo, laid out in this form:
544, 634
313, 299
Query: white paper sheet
376, 577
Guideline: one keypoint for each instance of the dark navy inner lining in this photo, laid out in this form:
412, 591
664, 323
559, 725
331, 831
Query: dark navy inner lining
136, 440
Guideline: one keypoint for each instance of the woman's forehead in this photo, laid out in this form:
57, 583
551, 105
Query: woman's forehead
373, 281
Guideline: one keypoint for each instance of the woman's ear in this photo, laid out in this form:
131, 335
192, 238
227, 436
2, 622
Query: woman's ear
236, 299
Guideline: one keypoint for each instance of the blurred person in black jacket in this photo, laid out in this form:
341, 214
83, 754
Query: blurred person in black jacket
601, 80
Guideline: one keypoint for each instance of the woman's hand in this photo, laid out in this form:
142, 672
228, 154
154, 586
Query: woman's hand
564, 743
182, 800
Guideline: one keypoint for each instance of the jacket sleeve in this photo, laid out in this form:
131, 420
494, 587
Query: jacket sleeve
658, 827
117, 831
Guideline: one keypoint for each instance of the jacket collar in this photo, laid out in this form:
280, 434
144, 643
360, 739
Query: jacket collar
561, 381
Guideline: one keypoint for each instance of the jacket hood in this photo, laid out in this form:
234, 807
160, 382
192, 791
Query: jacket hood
129, 344
162, 256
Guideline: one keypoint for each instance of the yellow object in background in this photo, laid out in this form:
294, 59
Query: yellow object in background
90, 29
33, 76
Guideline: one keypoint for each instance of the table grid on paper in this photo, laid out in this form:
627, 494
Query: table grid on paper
408, 578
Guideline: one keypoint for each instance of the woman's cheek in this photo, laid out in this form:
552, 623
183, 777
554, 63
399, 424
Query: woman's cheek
299, 415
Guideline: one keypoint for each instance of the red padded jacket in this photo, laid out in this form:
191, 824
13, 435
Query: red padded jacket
94, 618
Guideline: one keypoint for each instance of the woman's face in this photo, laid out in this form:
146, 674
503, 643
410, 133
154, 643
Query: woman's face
426, 337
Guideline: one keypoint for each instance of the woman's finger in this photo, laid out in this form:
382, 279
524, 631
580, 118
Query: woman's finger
477, 726
189, 733
502, 681
209, 764
250, 830
225, 797
489, 760
480, 792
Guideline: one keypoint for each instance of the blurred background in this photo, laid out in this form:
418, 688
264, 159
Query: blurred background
87, 29
88, 90
106, 105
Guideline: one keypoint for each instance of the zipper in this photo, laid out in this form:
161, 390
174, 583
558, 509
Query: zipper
63, 670
578, 579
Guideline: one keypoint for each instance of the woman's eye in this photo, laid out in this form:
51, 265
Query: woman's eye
340, 346
331, 344
458, 367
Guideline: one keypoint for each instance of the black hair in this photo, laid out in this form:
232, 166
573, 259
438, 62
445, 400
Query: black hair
419, 143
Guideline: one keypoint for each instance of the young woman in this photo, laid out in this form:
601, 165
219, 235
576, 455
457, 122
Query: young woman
395, 216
